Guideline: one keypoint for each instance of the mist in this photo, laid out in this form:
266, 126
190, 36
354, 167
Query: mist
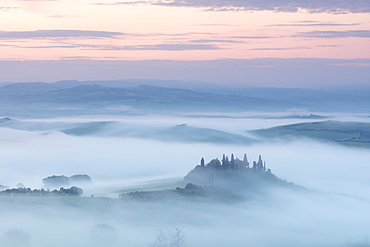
331, 209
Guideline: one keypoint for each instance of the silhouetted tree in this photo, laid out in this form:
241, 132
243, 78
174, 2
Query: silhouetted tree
56, 181
73, 191
227, 164
215, 163
245, 159
191, 186
80, 179
20, 185
171, 239
232, 162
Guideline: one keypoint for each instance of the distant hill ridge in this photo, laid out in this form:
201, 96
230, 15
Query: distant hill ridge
94, 97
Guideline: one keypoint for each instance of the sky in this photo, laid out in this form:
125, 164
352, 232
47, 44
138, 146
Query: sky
226, 41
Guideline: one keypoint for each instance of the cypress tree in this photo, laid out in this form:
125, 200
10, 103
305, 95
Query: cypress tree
245, 159
223, 163
232, 162
227, 164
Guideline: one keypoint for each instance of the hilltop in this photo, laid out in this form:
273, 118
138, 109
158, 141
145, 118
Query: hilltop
227, 180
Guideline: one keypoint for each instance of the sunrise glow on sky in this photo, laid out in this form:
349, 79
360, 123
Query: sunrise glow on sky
180, 31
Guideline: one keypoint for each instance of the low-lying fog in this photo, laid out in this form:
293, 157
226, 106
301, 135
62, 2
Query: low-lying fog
334, 213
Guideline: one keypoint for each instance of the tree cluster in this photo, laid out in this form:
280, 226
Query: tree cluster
73, 191
61, 180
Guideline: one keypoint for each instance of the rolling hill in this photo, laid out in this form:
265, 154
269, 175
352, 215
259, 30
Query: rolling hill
347, 133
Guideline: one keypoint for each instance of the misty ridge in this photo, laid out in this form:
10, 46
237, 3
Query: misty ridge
182, 166
160, 96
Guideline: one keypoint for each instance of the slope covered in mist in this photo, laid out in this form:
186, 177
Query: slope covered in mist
177, 133
347, 133
336, 178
